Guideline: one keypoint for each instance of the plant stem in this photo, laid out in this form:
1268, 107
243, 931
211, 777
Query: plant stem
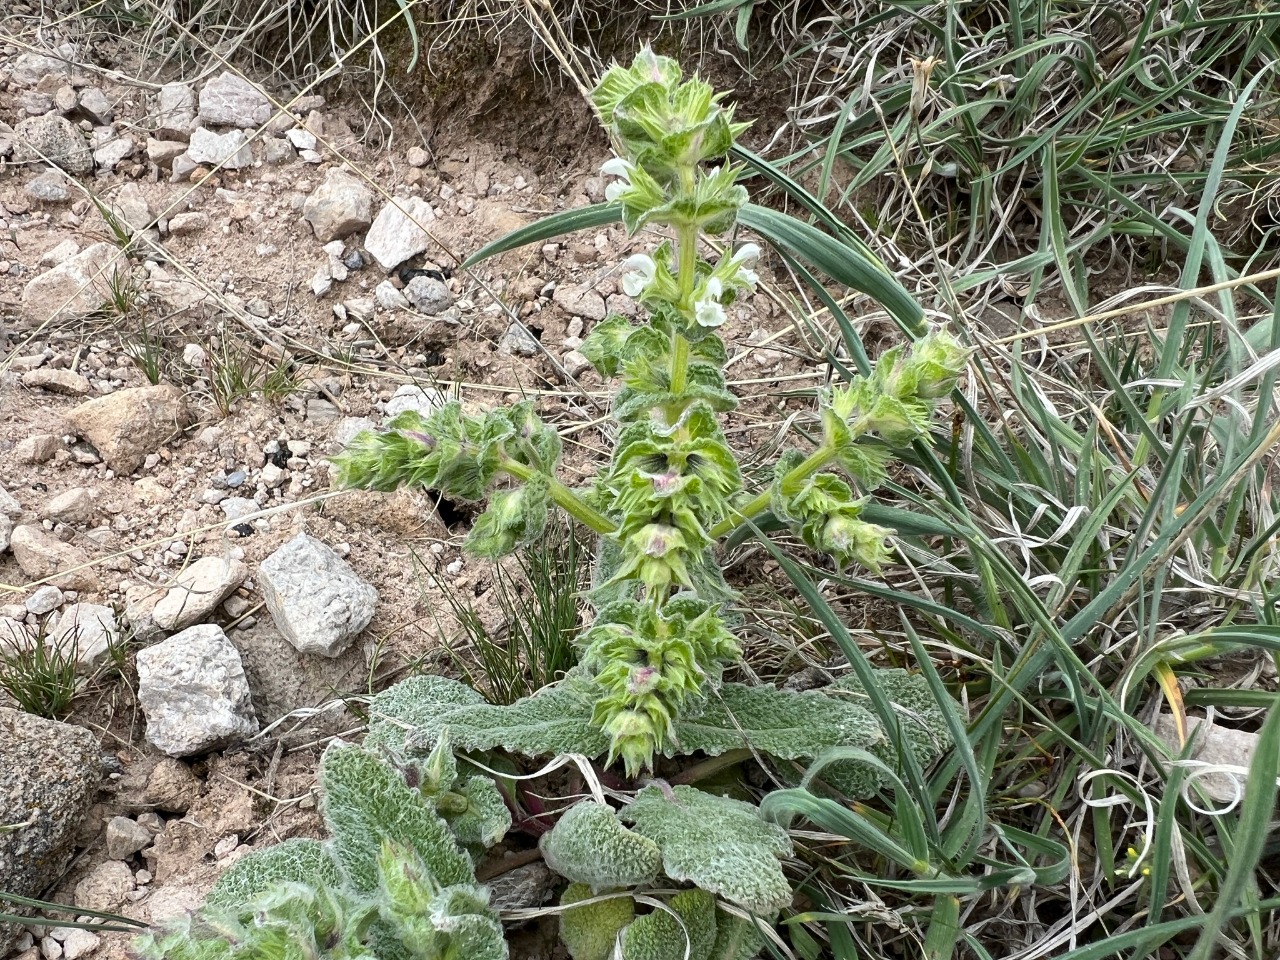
564, 498
686, 279
790, 483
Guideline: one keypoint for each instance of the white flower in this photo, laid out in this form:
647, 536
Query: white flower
746, 255
617, 167
744, 259
707, 310
640, 270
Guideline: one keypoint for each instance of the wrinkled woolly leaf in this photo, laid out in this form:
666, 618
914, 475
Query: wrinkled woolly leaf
660, 936
294, 861
590, 932
781, 723
431, 922
289, 920
590, 845
554, 720
920, 720
367, 804
486, 819
736, 938
719, 844
399, 710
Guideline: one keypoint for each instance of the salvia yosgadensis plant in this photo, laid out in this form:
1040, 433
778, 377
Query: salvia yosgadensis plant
659, 641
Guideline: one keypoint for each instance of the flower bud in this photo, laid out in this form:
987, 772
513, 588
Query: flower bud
938, 360
853, 539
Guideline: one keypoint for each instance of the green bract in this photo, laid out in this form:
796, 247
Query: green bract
660, 639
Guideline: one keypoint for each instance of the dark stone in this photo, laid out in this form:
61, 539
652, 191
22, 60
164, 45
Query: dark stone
49, 775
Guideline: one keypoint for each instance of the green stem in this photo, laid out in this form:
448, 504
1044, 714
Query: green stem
679, 363
564, 498
686, 279
790, 484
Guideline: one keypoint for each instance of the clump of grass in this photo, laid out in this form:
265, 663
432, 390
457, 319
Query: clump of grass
39, 671
236, 373
538, 603
148, 350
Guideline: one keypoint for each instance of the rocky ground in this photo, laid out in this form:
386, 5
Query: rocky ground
201, 298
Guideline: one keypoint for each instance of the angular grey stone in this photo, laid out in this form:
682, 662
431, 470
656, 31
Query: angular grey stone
127, 425
184, 223
131, 206
74, 288
348, 428
42, 556
71, 506
230, 149
397, 234
301, 139
6, 531
175, 114
95, 104
575, 363
91, 627
106, 887
428, 295
276, 151
197, 591
389, 296
230, 100
163, 151
66, 382
579, 302
66, 99
237, 507
519, 341
59, 253
410, 396
52, 138
194, 693
44, 600
49, 187
77, 943
317, 601
9, 506
30, 68
340, 206
183, 167
37, 448
112, 153
49, 775
125, 837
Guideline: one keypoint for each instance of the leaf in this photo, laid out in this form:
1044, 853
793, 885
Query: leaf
555, 225
920, 720
298, 860
486, 820
590, 845
839, 261
367, 804
719, 844
662, 935
555, 720
737, 938
399, 710
782, 723
590, 932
